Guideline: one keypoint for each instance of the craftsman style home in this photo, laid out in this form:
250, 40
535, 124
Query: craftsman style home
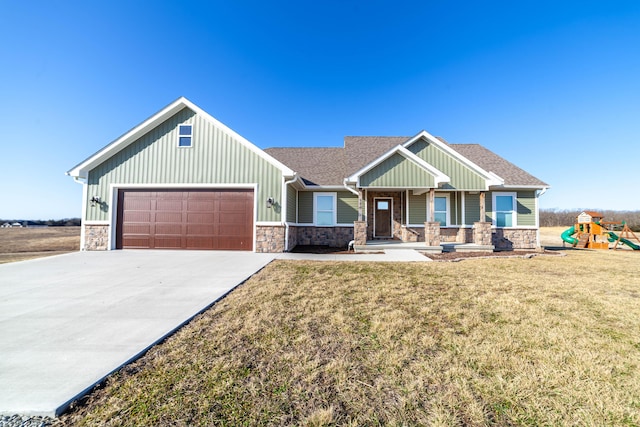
183, 180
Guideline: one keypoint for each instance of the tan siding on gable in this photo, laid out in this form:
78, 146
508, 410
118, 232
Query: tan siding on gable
214, 158
462, 177
397, 172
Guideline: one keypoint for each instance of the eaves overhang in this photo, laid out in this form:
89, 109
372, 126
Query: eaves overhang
491, 178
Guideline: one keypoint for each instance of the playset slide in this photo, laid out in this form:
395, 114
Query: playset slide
613, 237
567, 235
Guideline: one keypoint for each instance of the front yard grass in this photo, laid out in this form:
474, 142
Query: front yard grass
541, 341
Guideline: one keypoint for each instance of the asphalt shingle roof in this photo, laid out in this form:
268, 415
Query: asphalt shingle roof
329, 166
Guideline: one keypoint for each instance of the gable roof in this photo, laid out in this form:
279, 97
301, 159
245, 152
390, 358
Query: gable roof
488, 160
82, 168
438, 176
330, 166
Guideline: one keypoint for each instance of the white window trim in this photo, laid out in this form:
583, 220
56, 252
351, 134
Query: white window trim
335, 208
182, 136
514, 208
447, 197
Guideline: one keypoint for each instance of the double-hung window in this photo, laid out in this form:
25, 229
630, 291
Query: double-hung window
324, 209
504, 208
441, 210
185, 135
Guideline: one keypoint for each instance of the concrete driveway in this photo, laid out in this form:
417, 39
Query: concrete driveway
68, 321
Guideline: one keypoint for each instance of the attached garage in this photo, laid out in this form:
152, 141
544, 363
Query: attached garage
220, 219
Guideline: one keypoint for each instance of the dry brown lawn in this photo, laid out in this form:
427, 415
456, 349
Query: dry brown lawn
540, 341
19, 244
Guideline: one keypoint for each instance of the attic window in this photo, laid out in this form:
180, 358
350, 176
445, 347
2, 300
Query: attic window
185, 135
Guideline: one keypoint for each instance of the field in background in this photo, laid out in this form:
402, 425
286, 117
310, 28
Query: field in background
551, 340
19, 244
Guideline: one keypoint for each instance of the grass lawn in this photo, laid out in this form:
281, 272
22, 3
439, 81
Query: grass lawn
20, 244
541, 341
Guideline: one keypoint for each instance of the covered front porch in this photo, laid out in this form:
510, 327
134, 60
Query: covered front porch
422, 219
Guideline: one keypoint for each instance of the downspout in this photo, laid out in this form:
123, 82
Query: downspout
344, 183
286, 223
544, 190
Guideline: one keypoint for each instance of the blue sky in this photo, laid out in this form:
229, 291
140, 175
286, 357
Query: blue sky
552, 86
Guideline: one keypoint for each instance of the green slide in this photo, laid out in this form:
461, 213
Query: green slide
613, 237
567, 235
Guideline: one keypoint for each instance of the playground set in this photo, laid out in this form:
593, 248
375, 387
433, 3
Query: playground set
591, 232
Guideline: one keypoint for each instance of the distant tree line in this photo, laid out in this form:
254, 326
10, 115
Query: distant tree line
65, 222
567, 217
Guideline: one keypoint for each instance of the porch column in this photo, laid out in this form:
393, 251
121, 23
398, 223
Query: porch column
432, 233
360, 217
483, 209
432, 204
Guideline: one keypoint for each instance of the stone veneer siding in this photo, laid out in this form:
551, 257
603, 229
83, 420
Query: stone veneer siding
270, 238
293, 237
515, 238
96, 237
336, 237
432, 233
482, 233
360, 232
411, 234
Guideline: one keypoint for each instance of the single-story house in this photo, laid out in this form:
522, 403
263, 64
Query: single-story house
183, 180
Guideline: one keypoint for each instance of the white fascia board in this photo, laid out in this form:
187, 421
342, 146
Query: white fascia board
81, 169
526, 187
122, 142
490, 177
439, 176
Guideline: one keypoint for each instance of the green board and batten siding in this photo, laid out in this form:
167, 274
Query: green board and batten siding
346, 205
397, 172
461, 176
214, 158
292, 202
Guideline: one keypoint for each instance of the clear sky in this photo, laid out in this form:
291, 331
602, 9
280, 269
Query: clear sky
552, 86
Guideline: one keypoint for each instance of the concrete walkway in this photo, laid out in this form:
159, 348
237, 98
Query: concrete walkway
68, 321
389, 255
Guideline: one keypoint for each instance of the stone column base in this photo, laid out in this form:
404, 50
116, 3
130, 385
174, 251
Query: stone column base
482, 233
432, 233
360, 232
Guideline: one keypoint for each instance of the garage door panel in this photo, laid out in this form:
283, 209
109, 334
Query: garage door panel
169, 205
200, 206
172, 229
161, 242
179, 219
134, 228
137, 216
175, 217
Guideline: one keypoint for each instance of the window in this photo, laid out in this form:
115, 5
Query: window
185, 135
504, 209
324, 209
440, 210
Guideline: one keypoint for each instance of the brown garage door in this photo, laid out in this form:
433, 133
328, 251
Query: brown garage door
185, 219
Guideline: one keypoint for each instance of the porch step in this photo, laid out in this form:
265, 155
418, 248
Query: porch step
390, 245
466, 247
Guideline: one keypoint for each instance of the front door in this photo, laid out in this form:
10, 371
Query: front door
382, 220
